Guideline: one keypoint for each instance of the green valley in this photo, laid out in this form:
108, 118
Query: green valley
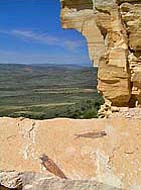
48, 91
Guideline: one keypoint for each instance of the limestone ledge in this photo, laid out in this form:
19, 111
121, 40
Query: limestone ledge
113, 159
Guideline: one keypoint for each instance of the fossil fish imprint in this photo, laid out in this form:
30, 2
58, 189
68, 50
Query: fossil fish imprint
93, 134
51, 166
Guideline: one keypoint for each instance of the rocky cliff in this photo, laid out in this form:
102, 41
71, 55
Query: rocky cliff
112, 29
104, 152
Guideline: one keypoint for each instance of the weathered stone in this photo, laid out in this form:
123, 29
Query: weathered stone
10, 179
43, 183
38, 181
113, 32
113, 159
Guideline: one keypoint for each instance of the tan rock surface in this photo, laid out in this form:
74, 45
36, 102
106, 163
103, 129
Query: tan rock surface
113, 32
114, 159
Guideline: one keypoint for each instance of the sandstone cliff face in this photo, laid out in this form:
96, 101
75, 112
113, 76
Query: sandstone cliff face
112, 29
112, 160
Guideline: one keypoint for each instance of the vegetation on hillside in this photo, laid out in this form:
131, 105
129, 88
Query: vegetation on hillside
48, 91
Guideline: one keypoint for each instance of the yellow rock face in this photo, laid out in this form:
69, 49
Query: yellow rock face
113, 159
113, 33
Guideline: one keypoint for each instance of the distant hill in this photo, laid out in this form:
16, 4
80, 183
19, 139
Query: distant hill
68, 75
47, 65
63, 65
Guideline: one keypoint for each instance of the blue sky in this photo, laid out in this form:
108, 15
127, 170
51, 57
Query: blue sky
30, 32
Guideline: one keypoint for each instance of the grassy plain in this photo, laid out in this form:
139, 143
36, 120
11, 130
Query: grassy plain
48, 91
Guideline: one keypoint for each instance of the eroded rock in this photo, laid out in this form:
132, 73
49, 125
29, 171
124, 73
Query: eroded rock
38, 181
10, 180
112, 29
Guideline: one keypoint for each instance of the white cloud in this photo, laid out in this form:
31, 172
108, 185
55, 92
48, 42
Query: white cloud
37, 58
73, 56
39, 37
44, 38
72, 44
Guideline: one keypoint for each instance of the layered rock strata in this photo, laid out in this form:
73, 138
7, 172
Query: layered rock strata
112, 29
105, 151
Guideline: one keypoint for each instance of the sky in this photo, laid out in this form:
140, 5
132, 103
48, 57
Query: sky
31, 33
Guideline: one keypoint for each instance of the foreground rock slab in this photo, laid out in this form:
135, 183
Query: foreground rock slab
78, 147
38, 181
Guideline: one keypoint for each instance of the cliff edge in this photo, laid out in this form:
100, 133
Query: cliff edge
112, 29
